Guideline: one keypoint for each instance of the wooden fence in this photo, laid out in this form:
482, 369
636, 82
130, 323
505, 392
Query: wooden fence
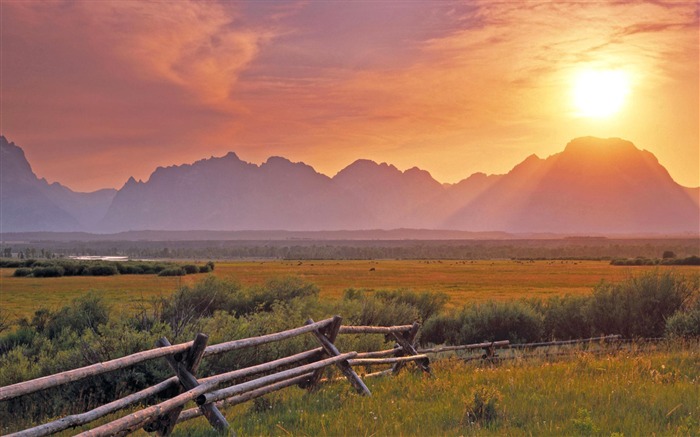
303, 369
230, 388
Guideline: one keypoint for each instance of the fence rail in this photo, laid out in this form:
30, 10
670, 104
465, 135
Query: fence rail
303, 369
211, 393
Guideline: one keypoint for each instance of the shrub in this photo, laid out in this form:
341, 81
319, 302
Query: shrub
427, 304
189, 304
483, 407
685, 323
172, 272
22, 336
204, 269
583, 423
277, 289
102, 270
515, 321
190, 269
47, 272
373, 311
86, 313
639, 306
567, 317
443, 328
22, 272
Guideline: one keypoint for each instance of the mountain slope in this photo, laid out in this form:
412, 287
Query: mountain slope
29, 203
594, 186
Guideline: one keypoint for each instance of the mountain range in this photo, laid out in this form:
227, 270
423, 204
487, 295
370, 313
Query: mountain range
594, 186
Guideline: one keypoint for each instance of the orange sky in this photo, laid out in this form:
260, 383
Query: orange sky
95, 92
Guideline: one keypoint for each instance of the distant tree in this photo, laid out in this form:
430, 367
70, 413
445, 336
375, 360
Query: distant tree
668, 254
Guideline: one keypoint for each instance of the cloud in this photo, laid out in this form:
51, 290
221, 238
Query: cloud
202, 47
448, 86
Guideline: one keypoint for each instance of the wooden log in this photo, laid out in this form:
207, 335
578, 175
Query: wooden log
263, 339
369, 361
239, 399
408, 349
34, 385
374, 329
410, 338
331, 333
264, 367
136, 420
270, 379
382, 373
185, 371
435, 350
344, 367
379, 354
92, 415
565, 342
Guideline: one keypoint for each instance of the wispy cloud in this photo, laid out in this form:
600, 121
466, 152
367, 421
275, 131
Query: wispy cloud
453, 87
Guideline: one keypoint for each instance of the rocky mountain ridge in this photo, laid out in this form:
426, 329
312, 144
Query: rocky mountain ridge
594, 186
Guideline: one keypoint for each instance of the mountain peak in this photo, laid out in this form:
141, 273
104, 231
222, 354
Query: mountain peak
599, 146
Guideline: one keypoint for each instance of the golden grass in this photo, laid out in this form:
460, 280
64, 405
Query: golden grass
461, 281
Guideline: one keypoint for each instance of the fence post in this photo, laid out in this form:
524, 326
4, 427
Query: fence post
185, 367
490, 354
405, 340
344, 367
331, 333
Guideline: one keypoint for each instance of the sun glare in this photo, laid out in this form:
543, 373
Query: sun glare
600, 93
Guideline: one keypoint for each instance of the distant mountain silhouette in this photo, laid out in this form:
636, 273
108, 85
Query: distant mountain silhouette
595, 186
29, 203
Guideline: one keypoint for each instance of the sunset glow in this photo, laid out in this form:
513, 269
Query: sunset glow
600, 93
98, 91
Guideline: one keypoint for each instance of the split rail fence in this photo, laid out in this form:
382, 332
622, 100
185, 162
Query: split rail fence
304, 369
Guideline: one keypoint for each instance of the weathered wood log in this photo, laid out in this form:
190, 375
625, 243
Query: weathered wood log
374, 329
382, 373
34, 385
263, 339
185, 371
239, 399
435, 350
369, 361
264, 367
92, 415
410, 338
565, 342
136, 420
408, 349
244, 387
380, 354
344, 367
331, 333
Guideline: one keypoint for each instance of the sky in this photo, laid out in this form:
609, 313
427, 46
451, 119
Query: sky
98, 91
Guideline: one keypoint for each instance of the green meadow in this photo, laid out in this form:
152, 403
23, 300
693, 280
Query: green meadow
630, 393
636, 389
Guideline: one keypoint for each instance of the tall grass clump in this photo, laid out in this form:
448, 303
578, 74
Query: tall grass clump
685, 323
640, 306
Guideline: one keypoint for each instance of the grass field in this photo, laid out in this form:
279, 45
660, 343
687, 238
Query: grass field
462, 281
630, 393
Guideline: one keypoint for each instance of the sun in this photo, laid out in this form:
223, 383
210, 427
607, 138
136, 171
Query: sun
600, 93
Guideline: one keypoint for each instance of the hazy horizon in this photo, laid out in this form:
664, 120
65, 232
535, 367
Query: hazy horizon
97, 92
